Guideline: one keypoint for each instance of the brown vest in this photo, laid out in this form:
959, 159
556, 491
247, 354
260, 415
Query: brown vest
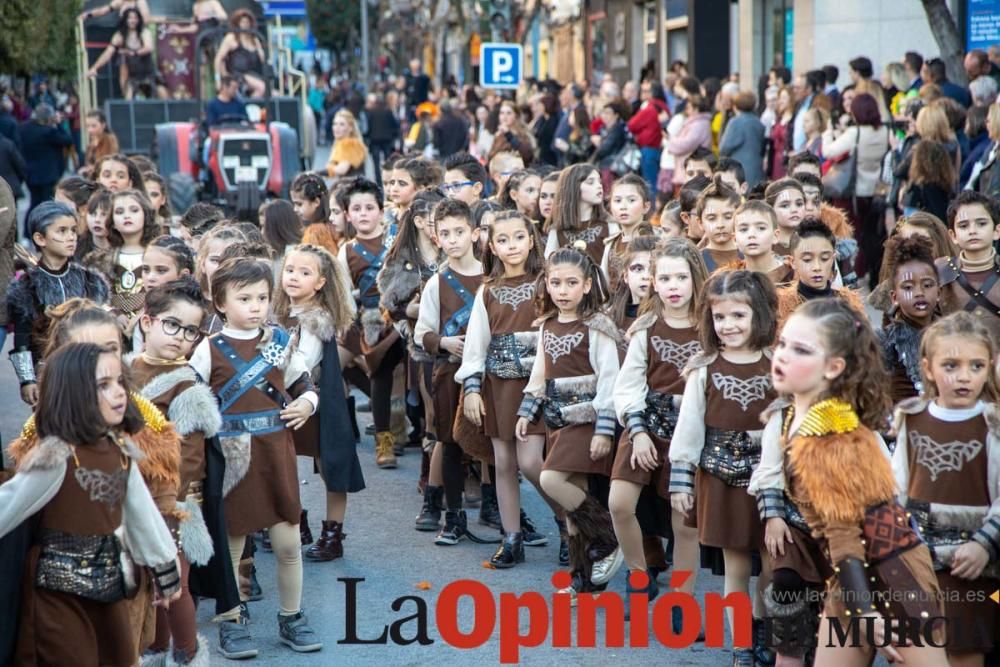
948, 460
668, 350
92, 494
593, 236
510, 305
357, 264
450, 301
737, 394
566, 346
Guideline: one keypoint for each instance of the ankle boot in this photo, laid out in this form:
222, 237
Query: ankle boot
430, 514
352, 413
532, 538
510, 552
472, 496
330, 545
651, 590
384, 455
455, 528
415, 414
489, 509
248, 584
563, 541
305, 535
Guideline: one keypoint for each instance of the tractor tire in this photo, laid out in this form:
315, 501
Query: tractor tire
182, 192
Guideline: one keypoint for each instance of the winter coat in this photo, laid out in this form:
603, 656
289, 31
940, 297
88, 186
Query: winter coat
696, 131
743, 140
645, 125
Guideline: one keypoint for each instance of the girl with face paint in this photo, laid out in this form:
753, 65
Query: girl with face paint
946, 439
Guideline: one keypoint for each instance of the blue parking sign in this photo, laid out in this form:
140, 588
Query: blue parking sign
501, 65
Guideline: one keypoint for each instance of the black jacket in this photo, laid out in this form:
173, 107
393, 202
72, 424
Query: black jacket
12, 166
451, 134
383, 126
42, 146
610, 145
545, 133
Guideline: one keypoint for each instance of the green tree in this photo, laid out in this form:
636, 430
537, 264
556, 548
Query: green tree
949, 40
38, 36
334, 23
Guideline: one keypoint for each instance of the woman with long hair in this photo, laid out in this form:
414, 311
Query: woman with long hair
101, 140
135, 48
349, 154
512, 134
241, 54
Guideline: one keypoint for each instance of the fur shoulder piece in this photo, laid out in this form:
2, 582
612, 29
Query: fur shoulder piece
836, 219
195, 409
700, 360
397, 283
349, 149
643, 322
992, 415
777, 405
164, 382
95, 285
162, 462
101, 261
601, 322
42, 455
319, 323
825, 455
788, 300
852, 299
908, 406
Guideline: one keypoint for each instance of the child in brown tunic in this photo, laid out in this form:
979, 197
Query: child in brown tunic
252, 371
572, 383
496, 361
837, 472
754, 224
663, 340
578, 212
716, 443
947, 464
629, 205
80, 482
715, 208
445, 309
788, 200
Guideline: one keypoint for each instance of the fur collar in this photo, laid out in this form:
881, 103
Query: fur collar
778, 405
397, 283
604, 324
917, 404
643, 322
195, 409
836, 219
164, 382
318, 322
699, 360
44, 455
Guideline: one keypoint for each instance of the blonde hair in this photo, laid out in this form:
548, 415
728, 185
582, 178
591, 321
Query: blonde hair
933, 125
680, 248
993, 122
351, 121
222, 232
897, 76
969, 327
333, 297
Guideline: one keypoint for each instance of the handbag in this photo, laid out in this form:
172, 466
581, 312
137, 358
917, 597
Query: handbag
628, 159
88, 566
839, 180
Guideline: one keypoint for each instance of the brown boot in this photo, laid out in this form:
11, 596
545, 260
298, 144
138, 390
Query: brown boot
384, 456
330, 545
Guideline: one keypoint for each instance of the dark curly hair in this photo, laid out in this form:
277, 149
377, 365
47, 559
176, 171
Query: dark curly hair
311, 186
900, 249
752, 288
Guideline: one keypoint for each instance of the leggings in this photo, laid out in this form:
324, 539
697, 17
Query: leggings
286, 543
178, 621
454, 474
381, 386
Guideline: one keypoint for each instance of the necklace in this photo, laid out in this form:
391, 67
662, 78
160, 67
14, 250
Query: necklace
982, 265
153, 361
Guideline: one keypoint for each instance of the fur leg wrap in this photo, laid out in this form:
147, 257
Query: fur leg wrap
397, 418
579, 561
593, 522
236, 451
372, 325
199, 659
194, 537
793, 624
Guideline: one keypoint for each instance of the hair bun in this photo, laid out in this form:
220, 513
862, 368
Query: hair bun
580, 245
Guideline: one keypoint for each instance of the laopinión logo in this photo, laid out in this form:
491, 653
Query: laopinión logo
551, 619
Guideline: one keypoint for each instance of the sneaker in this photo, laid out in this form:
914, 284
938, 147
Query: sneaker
370, 429
455, 528
532, 538
235, 642
430, 514
571, 591
607, 567
295, 633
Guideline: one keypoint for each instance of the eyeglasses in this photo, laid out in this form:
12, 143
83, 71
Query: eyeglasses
171, 327
448, 187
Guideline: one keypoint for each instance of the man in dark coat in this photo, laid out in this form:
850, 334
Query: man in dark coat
451, 132
43, 143
13, 169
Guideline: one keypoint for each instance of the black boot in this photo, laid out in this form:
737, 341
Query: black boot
563, 541
489, 510
455, 528
763, 655
415, 414
305, 535
352, 413
532, 538
430, 514
510, 553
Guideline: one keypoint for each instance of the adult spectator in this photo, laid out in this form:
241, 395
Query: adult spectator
512, 134
983, 90
101, 140
871, 141
977, 63
809, 90
913, 63
580, 146
696, 131
779, 76
630, 93
860, 69
545, 108
986, 173
227, 104
932, 180
383, 130
134, 47
241, 54
570, 97
13, 168
723, 110
451, 131
480, 134
979, 141
895, 84
934, 72
418, 84
646, 127
42, 95
831, 73
43, 144
612, 138
8, 124
743, 139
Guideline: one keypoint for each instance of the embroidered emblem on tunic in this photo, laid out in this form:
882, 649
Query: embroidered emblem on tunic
673, 353
103, 487
559, 346
274, 354
943, 457
590, 234
513, 296
743, 392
